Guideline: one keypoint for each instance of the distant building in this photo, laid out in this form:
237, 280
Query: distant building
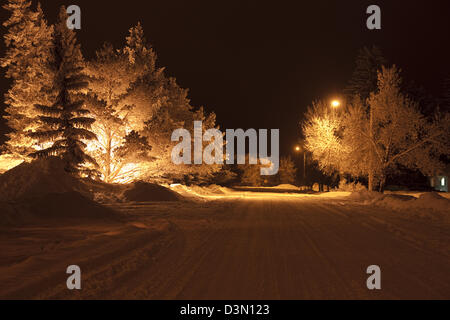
440, 183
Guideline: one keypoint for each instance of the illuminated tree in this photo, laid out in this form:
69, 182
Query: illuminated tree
174, 114
251, 175
146, 93
28, 49
394, 133
110, 79
401, 134
126, 89
321, 129
132, 100
287, 171
160, 106
66, 118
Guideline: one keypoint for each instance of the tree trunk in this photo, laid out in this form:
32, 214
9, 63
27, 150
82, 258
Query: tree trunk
371, 180
108, 159
371, 153
382, 183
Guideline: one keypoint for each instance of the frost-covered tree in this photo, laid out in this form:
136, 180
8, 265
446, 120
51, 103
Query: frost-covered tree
66, 122
287, 171
146, 93
28, 43
160, 106
133, 100
174, 114
110, 80
251, 175
322, 131
394, 133
402, 135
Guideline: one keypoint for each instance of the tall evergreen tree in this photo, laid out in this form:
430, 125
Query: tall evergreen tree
365, 76
28, 48
66, 117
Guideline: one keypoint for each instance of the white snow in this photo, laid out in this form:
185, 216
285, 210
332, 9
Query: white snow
8, 162
254, 246
427, 205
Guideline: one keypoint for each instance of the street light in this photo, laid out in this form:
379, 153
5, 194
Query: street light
335, 104
299, 149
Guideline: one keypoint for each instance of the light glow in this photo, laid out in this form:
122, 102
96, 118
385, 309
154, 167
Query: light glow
335, 103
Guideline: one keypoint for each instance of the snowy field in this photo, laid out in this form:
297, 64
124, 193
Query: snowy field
216, 243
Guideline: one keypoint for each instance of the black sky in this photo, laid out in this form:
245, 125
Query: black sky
259, 64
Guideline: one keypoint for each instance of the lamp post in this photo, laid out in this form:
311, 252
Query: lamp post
335, 104
299, 149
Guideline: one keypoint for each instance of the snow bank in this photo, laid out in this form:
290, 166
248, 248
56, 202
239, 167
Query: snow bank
36, 179
147, 192
426, 201
366, 196
287, 187
7, 162
208, 190
70, 207
200, 191
432, 200
42, 191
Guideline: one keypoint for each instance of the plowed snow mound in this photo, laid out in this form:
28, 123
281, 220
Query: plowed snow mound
287, 187
149, 192
38, 178
434, 201
70, 207
42, 191
426, 202
207, 190
366, 196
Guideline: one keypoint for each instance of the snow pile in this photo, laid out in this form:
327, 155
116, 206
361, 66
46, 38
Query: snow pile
69, 207
287, 187
42, 191
366, 197
7, 162
36, 179
147, 192
200, 191
208, 190
431, 201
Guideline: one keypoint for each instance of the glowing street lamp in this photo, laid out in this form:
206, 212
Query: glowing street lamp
335, 104
299, 149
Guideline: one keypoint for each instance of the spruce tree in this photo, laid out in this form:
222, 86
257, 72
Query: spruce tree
66, 117
28, 44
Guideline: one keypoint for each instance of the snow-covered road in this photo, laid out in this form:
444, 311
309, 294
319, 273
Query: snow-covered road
255, 248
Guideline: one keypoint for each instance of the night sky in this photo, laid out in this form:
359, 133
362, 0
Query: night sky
260, 64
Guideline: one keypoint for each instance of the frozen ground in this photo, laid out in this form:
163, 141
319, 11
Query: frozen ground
221, 244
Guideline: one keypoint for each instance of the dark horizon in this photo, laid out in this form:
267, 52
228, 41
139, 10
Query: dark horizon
266, 62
